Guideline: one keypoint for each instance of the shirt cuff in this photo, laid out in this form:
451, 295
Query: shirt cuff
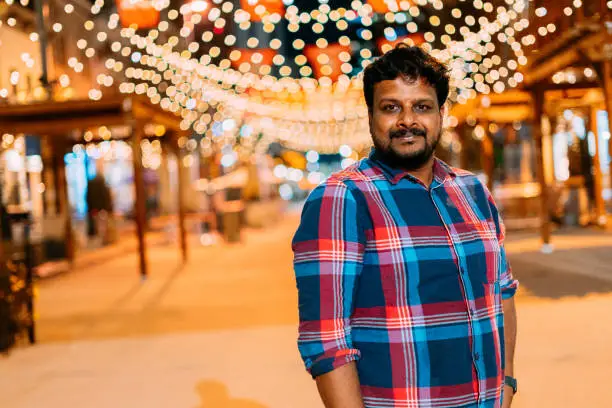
330, 361
509, 289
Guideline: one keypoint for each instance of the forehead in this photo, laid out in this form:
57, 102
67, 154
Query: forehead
404, 89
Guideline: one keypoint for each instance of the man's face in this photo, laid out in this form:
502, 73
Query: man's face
406, 122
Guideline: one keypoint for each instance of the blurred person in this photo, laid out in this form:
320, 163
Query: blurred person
151, 202
405, 292
99, 203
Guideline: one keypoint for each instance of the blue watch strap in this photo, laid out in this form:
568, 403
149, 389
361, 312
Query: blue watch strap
511, 382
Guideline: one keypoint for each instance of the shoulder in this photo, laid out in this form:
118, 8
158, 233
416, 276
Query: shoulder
465, 176
344, 179
468, 179
344, 185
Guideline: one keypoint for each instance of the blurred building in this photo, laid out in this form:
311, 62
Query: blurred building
270, 89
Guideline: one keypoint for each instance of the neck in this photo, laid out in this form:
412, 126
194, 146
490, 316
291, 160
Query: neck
425, 173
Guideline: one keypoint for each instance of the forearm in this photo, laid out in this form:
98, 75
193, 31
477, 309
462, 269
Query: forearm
340, 387
510, 329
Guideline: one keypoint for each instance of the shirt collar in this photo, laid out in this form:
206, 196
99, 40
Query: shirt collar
442, 172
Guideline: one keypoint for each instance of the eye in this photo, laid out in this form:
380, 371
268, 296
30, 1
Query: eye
422, 108
390, 108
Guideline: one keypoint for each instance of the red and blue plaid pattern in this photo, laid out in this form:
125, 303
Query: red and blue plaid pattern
407, 281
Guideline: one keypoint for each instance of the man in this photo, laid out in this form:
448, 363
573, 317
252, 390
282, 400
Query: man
405, 294
99, 201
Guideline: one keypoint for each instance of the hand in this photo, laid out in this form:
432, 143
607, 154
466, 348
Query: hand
508, 396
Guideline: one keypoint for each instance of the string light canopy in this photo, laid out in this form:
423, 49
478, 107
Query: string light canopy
291, 71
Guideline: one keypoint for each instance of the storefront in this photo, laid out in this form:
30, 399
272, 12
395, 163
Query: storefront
114, 161
21, 177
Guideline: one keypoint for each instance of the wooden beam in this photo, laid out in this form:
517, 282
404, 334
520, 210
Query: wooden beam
559, 61
59, 118
139, 205
538, 112
600, 209
550, 67
58, 127
152, 113
54, 108
567, 86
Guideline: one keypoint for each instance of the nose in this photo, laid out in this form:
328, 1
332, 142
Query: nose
407, 119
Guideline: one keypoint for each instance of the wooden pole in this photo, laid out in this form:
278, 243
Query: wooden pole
463, 155
2, 215
538, 113
46, 175
139, 205
488, 157
58, 162
606, 82
600, 209
61, 194
181, 197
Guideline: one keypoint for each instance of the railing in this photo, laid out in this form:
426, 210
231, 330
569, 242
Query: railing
17, 287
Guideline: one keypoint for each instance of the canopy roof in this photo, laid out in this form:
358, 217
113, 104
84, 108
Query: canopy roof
62, 118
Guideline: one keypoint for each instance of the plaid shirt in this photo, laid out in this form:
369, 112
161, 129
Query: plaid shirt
407, 281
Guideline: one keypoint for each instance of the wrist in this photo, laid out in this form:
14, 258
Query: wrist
510, 383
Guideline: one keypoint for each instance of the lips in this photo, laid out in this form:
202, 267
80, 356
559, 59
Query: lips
408, 135
410, 138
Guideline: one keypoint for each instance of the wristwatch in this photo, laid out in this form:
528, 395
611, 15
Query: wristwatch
512, 383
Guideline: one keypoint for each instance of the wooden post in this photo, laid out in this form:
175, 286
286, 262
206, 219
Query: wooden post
2, 209
463, 155
606, 82
139, 205
488, 156
181, 196
538, 112
600, 209
61, 194
47, 173
58, 163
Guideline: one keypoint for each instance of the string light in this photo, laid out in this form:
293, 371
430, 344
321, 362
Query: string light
173, 78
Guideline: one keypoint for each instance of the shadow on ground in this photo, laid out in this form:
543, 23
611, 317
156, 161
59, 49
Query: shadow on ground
540, 275
214, 394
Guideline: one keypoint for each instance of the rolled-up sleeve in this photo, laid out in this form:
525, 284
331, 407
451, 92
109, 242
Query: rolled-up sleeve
508, 284
328, 255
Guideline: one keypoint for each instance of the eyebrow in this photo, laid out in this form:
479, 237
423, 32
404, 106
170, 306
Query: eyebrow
421, 100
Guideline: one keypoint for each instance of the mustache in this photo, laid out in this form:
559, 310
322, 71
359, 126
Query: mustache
407, 133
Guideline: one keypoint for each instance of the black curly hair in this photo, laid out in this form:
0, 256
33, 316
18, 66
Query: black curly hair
411, 63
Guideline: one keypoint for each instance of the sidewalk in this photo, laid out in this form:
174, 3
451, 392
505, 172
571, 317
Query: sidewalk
220, 331
86, 257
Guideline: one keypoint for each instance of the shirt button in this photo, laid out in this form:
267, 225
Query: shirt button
476, 356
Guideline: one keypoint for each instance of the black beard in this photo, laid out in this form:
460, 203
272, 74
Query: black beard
408, 162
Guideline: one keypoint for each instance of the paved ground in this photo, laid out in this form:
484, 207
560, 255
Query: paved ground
220, 331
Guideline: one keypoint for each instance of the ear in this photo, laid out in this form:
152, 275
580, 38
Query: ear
443, 110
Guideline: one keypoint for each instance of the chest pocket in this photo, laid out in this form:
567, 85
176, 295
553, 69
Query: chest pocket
483, 252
